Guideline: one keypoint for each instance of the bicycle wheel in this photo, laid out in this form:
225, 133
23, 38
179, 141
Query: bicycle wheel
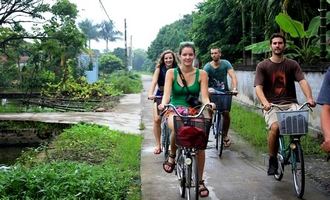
195, 178
219, 139
280, 160
180, 172
214, 130
165, 140
280, 170
298, 169
188, 173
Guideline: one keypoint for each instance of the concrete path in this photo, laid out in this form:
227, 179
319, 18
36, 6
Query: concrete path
125, 117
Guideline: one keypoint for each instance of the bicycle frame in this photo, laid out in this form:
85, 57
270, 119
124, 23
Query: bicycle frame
292, 154
223, 103
187, 163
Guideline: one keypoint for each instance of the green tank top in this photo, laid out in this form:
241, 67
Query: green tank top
179, 93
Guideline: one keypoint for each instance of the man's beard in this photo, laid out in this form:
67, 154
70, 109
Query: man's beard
216, 59
278, 52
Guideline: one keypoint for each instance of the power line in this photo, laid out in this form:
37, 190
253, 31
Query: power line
105, 10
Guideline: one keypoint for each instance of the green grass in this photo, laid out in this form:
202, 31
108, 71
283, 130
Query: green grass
251, 126
85, 162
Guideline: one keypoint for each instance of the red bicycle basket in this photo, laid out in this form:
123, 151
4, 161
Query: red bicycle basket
192, 132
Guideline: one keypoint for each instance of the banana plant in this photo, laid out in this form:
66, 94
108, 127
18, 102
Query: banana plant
307, 50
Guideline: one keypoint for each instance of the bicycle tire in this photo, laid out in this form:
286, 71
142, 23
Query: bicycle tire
220, 136
180, 172
195, 176
188, 173
165, 141
298, 169
280, 160
280, 170
214, 120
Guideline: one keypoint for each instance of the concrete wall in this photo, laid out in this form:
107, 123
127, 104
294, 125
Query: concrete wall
247, 94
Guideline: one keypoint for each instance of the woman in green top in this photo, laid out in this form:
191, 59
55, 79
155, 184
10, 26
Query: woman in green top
175, 93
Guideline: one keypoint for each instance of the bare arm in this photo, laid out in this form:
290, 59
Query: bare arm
261, 96
153, 83
307, 92
233, 77
204, 87
325, 119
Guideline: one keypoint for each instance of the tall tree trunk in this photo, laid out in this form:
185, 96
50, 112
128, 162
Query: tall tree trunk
323, 29
253, 37
243, 33
107, 45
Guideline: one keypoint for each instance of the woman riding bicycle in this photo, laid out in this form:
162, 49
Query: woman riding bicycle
176, 94
167, 61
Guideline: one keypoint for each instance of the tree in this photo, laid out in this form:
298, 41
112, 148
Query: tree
110, 63
140, 56
120, 53
65, 40
107, 32
170, 36
16, 12
90, 30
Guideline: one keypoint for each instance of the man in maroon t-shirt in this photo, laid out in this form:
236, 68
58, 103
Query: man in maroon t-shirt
275, 84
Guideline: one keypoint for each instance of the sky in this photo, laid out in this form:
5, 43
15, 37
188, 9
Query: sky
144, 18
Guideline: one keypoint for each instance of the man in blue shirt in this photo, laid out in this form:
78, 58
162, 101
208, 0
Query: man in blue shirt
217, 70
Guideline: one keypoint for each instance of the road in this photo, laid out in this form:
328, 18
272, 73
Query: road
239, 175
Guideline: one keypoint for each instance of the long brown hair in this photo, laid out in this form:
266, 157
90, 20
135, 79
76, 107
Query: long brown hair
161, 61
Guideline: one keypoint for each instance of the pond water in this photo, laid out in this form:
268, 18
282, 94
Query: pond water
8, 155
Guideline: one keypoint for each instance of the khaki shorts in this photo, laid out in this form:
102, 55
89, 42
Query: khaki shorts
270, 117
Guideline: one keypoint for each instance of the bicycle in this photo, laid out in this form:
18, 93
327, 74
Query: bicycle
294, 124
165, 131
222, 101
191, 136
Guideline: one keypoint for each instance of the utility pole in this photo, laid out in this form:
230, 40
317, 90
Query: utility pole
323, 30
126, 57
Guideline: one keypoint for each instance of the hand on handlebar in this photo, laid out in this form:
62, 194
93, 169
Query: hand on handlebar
267, 106
213, 106
311, 103
151, 97
234, 91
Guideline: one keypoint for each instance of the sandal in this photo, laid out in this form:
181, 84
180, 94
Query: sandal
202, 190
157, 150
169, 164
227, 142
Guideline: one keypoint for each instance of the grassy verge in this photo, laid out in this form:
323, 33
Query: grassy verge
85, 162
251, 126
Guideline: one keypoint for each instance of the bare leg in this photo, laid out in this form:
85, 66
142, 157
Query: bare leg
226, 123
325, 118
273, 134
173, 147
201, 163
156, 129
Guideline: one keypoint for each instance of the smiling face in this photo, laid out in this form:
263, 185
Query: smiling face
187, 56
277, 46
168, 59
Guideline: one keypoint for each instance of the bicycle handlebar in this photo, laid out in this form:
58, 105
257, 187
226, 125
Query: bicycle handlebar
166, 106
154, 97
281, 109
224, 93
